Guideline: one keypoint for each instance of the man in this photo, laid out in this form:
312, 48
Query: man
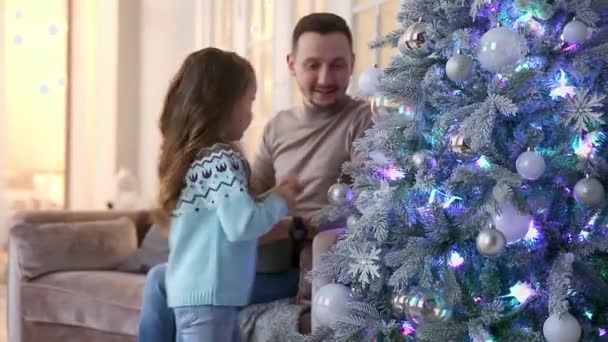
311, 141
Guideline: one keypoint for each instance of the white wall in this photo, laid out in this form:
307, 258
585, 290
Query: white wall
93, 103
124, 54
128, 82
167, 35
281, 79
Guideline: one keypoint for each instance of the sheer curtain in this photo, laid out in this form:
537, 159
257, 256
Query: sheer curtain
3, 134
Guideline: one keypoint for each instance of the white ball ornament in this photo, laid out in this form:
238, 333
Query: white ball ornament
329, 303
500, 49
576, 32
512, 223
351, 221
368, 81
562, 328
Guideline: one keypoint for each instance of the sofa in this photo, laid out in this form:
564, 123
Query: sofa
63, 281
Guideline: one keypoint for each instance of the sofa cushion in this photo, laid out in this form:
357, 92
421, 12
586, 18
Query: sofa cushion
305, 288
51, 332
154, 250
94, 245
304, 327
102, 300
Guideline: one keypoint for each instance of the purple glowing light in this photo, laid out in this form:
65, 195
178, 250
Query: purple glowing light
407, 329
455, 260
583, 236
483, 163
533, 234
392, 173
563, 89
521, 292
446, 200
570, 48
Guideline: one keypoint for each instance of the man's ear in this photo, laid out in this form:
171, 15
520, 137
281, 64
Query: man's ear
291, 63
352, 65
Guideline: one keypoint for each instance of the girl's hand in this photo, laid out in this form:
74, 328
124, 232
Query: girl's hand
289, 189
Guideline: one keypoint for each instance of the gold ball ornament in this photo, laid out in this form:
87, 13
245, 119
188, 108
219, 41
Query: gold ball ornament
459, 144
413, 41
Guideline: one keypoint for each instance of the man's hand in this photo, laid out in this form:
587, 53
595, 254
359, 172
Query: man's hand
280, 231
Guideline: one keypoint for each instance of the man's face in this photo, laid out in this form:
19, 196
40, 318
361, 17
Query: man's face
322, 65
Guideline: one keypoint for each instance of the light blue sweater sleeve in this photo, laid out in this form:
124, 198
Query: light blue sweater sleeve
224, 186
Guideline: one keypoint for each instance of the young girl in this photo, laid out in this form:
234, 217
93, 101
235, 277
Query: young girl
204, 195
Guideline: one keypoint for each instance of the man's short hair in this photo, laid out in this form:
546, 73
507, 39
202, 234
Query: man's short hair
322, 23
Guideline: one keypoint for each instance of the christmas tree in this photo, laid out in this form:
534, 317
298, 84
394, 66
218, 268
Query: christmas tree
477, 210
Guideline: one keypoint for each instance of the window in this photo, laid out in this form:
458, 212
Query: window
222, 24
35, 89
260, 54
372, 19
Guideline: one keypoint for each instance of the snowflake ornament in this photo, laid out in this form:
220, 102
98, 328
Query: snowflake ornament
583, 110
364, 264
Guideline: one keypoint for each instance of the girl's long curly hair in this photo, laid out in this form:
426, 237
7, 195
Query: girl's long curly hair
196, 113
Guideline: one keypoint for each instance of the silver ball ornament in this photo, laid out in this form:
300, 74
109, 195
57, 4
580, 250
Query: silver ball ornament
562, 328
413, 42
459, 68
351, 220
426, 306
576, 32
490, 242
382, 106
500, 49
530, 165
340, 194
399, 304
459, 144
590, 191
368, 81
423, 159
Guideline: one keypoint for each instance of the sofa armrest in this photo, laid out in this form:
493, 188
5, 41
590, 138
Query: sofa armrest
40, 248
321, 245
305, 288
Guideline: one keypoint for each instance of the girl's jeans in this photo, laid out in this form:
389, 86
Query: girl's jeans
157, 320
207, 323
